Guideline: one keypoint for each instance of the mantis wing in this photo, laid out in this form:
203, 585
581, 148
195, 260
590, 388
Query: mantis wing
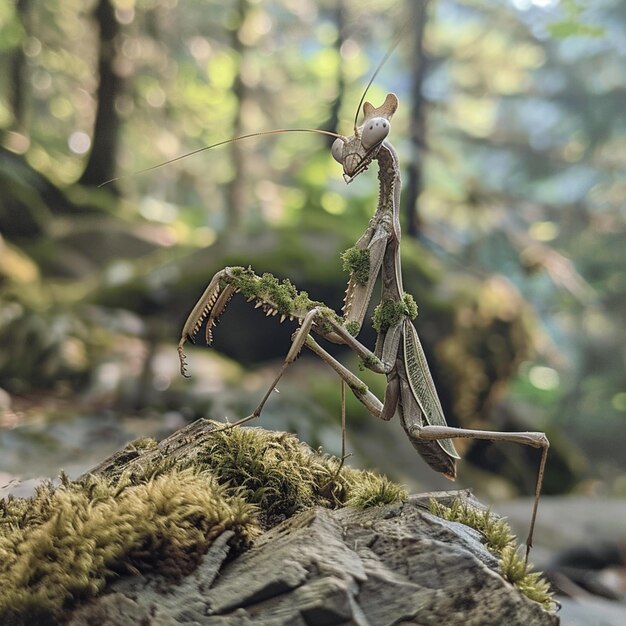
422, 385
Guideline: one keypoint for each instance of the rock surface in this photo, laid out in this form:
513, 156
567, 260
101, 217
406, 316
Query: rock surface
396, 564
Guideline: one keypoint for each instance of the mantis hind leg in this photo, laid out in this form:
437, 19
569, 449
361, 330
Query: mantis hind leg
534, 439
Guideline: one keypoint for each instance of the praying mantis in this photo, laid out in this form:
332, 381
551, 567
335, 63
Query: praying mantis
398, 353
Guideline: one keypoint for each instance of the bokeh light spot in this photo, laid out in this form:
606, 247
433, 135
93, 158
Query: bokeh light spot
544, 378
79, 142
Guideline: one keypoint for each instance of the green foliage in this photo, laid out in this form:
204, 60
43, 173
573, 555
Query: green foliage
357, 263
64, 544
11, 31
574, 25
571, 28
500, 540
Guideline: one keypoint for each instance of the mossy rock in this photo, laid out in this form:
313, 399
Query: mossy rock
148, 515
383, 565
160, 507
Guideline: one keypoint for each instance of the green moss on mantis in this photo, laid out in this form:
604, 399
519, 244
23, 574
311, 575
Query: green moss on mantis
368, 362
410, 305
280, 294
353, 328
357, 262
389, 312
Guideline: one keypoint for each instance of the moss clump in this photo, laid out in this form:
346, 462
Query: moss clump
84, 534
368, 362
357, 262
353, 328
302, 302
246, 281
281, 294
326, 313
64, 544
142, 443
368, 490
389, 312
500, 541
410, 305
282, 476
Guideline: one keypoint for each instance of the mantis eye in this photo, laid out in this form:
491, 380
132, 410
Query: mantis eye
374, 131
337, 150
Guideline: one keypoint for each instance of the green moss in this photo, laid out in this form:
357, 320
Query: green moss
142, 443
410, 305
63, 545
246, 281
323, 321
360, 389
88, 533
389, 312
281, 294
531, 584
357, 262
302, 302
500, 540
353, 328
368, 362
282, 476
268, 470
371, 490
18, 513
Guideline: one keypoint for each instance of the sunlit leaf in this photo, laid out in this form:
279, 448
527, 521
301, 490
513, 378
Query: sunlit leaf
570, 28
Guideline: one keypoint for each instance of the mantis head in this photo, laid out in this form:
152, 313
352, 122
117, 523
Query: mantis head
357, 152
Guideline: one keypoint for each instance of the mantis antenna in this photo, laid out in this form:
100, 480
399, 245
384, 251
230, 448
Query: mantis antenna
221, 143
379, 67
272, 132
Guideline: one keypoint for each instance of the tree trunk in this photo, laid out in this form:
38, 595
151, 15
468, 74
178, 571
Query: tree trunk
417, 123
101, 163
17, 72
235, 192
332, 123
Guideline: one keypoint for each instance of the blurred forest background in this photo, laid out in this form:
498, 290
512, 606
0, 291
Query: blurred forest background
511, 138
